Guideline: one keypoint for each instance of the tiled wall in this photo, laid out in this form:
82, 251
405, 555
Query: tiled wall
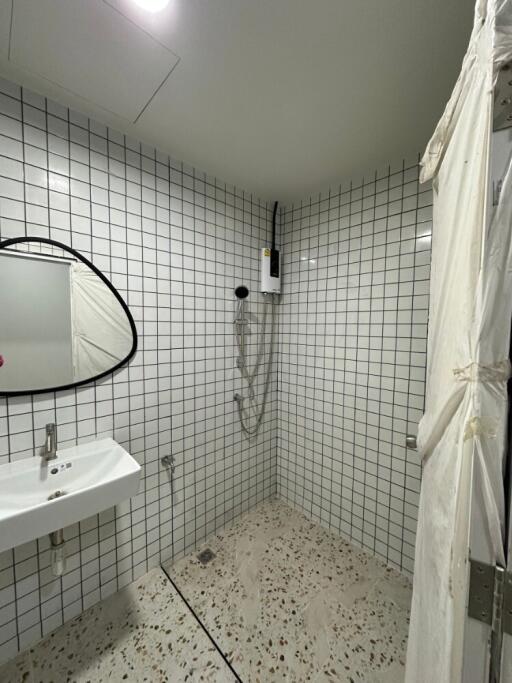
175, 243
353, 327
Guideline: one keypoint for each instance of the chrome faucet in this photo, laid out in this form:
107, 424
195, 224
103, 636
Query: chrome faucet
50, 444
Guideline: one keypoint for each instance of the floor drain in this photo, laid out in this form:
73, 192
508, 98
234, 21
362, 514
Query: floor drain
206, 556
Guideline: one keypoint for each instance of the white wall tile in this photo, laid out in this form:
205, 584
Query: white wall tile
177, 263
351, 380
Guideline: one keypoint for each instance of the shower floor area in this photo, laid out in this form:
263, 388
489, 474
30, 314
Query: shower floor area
287, 600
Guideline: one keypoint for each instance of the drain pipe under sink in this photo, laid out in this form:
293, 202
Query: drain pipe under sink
58, 545
58, 552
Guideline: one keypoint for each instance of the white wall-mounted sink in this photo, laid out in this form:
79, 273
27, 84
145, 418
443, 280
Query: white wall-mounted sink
90, 478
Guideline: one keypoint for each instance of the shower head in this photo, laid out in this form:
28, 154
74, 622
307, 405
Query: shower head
241, 292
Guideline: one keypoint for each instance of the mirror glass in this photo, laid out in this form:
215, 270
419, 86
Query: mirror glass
62, 322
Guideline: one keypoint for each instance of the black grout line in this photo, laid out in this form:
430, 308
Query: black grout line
196, 617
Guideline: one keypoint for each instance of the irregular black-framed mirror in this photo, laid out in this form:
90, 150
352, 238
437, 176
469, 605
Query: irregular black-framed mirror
62, 323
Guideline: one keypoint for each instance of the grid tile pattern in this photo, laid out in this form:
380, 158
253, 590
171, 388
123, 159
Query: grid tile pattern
174, 242
353, 328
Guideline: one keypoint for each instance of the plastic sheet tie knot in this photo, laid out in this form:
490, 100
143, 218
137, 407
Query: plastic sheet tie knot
480, 426
476, 372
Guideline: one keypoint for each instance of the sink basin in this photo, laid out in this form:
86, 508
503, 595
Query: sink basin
38, 496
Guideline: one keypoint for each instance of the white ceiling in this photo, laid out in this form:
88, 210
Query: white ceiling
281, 97
104, 68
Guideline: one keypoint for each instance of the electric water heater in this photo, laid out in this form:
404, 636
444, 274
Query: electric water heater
270, 271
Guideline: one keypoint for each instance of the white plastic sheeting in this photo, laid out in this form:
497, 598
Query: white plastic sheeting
101, 331
463, 429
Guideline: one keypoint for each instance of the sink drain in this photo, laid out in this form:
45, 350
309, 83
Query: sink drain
56, 494
206, 556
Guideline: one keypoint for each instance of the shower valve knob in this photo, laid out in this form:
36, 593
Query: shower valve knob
410, 442
168, 462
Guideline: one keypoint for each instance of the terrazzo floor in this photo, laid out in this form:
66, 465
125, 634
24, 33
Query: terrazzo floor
284, 599
287, 600
145, 633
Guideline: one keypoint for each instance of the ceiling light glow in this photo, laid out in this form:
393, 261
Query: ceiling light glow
152, 5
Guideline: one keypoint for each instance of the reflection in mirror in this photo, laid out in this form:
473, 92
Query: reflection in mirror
62, 322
